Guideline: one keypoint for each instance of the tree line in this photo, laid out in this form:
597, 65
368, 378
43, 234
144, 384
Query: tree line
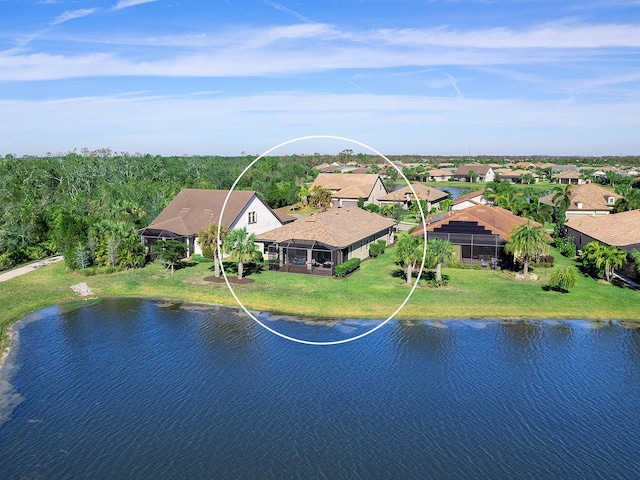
89, 206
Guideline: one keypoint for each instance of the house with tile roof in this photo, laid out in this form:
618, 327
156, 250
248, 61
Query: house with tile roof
317, 243
483, 173
439, 175
589, 199
347, 188
619, 229
478, 233
194, 209
405, 197
515, 176
569, 177
469, 200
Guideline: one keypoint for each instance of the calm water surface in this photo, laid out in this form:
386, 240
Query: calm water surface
142, 389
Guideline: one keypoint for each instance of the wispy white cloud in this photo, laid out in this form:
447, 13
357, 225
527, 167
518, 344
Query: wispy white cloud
288, 11
554, 36
130, 3
73, 14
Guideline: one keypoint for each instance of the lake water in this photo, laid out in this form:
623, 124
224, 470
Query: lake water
137, 389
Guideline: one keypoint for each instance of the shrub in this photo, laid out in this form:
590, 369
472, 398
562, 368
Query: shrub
200, 259
347, 267
377, 248
564, 278
477, 267
372, 207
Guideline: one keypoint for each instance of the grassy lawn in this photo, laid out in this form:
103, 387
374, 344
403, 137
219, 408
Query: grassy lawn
375, 291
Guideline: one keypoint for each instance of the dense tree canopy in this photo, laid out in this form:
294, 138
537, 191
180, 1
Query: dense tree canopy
100, 199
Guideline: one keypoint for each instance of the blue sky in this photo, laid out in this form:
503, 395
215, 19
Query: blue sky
431, 77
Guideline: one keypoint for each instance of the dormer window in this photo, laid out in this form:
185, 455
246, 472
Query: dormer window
611, 200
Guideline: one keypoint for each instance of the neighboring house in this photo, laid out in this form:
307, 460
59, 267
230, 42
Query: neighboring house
619, 229
569, 177
515, 176
564, 168
469, 200
330, 167
483, 173
404, 196
478, 233
194, 209
524, 165
438, 175
317, 243
347, 188
588, 199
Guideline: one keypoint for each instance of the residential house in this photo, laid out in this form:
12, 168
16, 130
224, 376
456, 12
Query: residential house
478, 233
569, 177
405, 197
474, 173
317, 243
439, 175
515, 176
619, 229
589, 199
347, 188
469, 200
194, 209
525, 165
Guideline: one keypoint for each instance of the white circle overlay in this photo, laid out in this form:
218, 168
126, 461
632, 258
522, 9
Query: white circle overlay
356, 337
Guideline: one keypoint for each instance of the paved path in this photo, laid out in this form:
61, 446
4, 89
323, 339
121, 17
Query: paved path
28, 268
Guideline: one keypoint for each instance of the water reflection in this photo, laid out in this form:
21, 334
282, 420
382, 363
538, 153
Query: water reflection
521, 337
433, 339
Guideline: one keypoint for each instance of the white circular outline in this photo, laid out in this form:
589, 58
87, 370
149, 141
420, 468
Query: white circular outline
334, 342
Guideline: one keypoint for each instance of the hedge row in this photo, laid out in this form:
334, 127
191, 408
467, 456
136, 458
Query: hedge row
347, 267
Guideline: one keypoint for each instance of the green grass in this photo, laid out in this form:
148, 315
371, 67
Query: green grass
371, 292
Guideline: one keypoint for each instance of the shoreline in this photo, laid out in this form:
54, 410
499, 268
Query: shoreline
79, 302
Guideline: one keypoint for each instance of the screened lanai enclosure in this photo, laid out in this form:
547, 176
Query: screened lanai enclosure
304, 256
486, 250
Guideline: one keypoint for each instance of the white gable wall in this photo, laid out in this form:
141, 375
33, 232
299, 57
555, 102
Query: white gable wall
261, 217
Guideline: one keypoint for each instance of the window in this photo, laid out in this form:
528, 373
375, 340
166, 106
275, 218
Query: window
253, 218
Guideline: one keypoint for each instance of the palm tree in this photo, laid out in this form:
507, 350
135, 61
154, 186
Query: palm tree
303, 195
611, 257
242, 245
209, 243
527, 241
320, 198
409, 251
562, 196
439, 252
541, 213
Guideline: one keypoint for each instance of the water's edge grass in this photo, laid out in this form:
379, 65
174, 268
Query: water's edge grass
374, 292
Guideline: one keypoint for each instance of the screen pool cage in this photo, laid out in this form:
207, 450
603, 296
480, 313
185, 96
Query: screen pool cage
304, 256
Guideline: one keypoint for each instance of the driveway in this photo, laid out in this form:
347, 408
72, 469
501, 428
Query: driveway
28, 268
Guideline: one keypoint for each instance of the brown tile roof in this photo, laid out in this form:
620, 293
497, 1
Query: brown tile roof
436, 172
619, 229
591, 195
347, 185
338, 227
516, 173
193, 209
495, 219
283, 214
467, 196
424, 193
479, 169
